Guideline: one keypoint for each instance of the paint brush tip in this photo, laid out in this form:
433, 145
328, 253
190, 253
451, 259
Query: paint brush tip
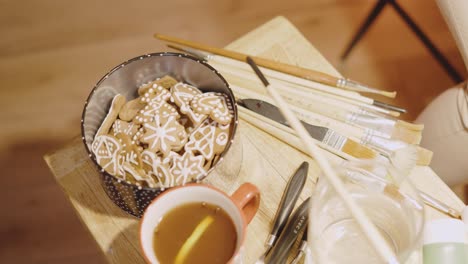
357, 150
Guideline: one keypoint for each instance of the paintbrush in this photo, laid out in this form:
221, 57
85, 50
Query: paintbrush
325, 114
368, 228
327, 138
331, 108
298, 92
308, 74
288, 136
384, 146
365, 135
243, 77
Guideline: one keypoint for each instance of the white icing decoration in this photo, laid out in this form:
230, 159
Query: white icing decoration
107, 150
187, 167
182, 99
158, 168
160, 136
204, 140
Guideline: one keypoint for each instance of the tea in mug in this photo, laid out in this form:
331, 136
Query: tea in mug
195, 233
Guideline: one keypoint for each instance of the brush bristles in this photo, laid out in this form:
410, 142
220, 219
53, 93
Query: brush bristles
393, 191
424, 156
410, 126
357, 150
406, 135
394, 113
404, 159
388, 94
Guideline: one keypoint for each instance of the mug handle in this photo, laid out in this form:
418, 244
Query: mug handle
247, 197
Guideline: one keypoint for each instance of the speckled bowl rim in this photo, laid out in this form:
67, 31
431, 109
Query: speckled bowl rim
159, 54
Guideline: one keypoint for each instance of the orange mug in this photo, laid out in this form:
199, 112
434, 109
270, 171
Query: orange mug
241, 207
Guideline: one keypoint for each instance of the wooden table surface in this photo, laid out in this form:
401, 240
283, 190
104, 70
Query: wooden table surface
265, 161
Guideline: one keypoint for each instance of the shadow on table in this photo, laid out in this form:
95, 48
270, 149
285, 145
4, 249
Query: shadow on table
125, 248
80, 179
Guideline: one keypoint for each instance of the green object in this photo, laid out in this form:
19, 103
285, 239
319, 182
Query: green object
445, 253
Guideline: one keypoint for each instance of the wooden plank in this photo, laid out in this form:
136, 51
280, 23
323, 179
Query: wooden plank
266, 162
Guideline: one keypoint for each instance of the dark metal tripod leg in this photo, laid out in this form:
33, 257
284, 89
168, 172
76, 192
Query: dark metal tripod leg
454, 75
364, 27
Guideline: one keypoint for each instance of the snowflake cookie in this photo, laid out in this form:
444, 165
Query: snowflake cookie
162, 136
187, 168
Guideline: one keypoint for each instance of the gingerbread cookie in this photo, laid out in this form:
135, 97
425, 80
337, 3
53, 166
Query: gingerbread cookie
136, 175
158, 168
216, 105
128, 128
166, 82
116, 104
182, 94
162, 136
129, 151
209, 139
157, 107
155, 95
130, 109
187, 168
107, 150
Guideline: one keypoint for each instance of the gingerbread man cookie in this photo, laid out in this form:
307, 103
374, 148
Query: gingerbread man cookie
187, 167
216, 105
182, 94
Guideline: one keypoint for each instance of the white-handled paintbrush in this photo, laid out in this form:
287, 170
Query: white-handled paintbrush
368, 228
352, 112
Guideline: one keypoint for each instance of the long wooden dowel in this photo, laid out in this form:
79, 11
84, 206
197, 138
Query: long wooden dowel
368, 228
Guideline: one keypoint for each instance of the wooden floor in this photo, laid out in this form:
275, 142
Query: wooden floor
52, 53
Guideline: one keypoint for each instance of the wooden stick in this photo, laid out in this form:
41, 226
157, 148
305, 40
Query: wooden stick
362, 220
281, 67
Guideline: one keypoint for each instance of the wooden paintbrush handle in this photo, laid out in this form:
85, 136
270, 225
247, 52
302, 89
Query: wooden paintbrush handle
286, 68
240, 69
298, 71
349, 102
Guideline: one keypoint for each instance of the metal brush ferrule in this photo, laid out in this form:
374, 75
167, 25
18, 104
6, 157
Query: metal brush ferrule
389, 107
270, 240
341, 83
298, 257
347, 83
